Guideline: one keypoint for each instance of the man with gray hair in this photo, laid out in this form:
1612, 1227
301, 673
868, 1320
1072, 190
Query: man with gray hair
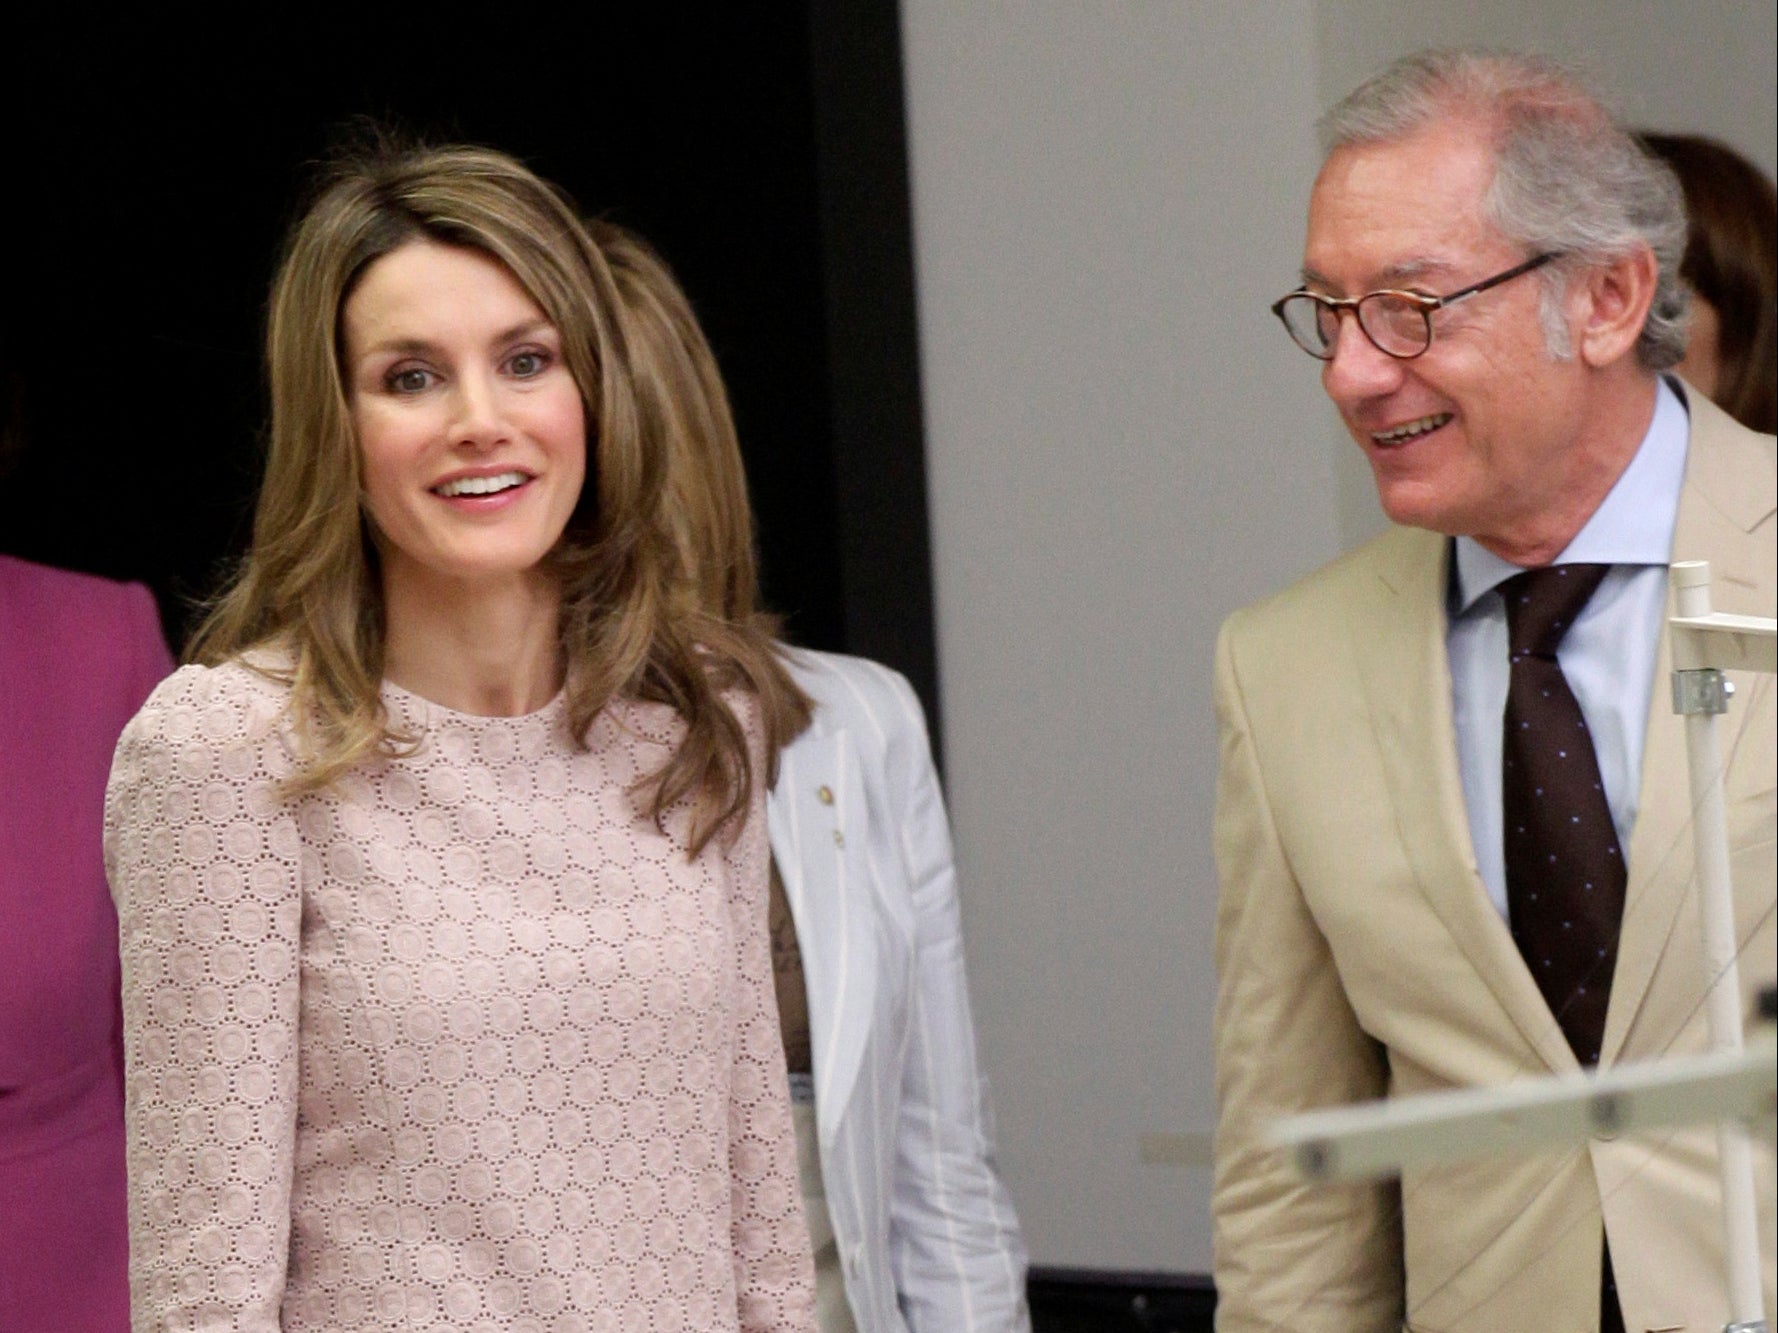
1452, 822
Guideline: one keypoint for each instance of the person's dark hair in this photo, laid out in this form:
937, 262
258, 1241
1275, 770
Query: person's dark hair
1731, 260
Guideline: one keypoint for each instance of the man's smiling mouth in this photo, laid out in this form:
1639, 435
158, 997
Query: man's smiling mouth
1411, 430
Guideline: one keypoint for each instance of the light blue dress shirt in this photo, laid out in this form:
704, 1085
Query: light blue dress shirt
1608, 654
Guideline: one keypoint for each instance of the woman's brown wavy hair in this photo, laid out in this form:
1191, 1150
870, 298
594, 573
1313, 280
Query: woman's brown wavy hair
310, 586
1731, 260
707, 509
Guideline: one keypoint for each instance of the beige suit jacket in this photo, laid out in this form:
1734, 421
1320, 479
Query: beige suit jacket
1359, 956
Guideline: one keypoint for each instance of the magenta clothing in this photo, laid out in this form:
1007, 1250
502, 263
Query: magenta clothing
78, 655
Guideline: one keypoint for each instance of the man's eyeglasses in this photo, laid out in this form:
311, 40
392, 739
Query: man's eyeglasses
1398, 323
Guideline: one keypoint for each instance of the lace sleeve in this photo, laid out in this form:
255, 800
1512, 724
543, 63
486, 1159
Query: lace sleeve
203, 862
774, 1274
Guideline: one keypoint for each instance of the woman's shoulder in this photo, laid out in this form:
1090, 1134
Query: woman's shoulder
77, 647
237, 702
25, 579
70, 607
853, 691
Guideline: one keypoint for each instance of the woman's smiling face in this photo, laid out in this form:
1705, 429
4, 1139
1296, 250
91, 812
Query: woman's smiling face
470, 426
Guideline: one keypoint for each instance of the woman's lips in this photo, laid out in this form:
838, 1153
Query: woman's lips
493, 484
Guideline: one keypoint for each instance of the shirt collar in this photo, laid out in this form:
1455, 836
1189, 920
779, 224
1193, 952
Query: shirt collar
1632, 526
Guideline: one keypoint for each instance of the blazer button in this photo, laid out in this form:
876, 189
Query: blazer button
1606, 1114
824, 795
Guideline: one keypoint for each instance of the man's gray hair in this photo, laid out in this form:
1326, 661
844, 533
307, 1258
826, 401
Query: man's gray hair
1568, 177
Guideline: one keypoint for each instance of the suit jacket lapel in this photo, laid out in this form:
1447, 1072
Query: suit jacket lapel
1720, 505
1398, 636
825, 874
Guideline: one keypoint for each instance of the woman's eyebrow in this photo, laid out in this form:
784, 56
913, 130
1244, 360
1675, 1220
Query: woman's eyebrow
405, 346
422, 346
526, 329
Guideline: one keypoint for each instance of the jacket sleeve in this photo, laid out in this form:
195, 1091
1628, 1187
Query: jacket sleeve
956, 1251
203, 861
1291, 1257
774, 1272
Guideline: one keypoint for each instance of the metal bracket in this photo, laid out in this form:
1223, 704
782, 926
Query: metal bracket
1369, 1141
1705, 690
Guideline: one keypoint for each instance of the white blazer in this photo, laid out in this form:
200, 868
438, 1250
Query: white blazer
926, 1231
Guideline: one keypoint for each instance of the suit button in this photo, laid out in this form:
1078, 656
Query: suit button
1607, 1116
824, 795
839, 839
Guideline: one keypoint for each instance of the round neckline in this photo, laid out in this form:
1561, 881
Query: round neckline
420, 708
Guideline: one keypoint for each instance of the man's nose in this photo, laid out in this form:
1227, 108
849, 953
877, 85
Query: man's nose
1358, 369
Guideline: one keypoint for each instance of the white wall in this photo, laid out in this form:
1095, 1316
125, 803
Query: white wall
1122, 447
1119, 453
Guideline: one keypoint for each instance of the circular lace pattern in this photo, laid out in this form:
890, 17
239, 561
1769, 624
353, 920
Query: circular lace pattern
465, 1042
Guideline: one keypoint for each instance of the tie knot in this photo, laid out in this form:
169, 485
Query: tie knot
1542, 603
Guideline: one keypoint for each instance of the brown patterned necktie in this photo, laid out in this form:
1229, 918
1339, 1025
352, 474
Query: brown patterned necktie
1564, 869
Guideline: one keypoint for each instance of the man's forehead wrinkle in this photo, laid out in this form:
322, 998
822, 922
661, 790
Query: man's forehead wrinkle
1401, 273
1418, 266
1400, 215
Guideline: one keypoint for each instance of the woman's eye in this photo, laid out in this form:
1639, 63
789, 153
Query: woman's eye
411, 380
527, 364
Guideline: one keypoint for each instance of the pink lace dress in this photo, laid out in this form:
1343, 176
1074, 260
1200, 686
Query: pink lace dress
465, 1042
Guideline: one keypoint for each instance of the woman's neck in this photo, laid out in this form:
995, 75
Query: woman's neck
488, 649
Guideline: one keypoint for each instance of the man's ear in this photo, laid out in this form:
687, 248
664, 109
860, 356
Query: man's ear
1610, 304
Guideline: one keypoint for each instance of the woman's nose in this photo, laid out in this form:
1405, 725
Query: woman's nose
479, 423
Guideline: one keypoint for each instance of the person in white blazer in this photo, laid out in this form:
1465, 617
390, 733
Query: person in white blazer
918, 1222
925, 1229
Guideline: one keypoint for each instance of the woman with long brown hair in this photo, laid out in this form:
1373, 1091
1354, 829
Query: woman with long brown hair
441, 872
1730, 270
